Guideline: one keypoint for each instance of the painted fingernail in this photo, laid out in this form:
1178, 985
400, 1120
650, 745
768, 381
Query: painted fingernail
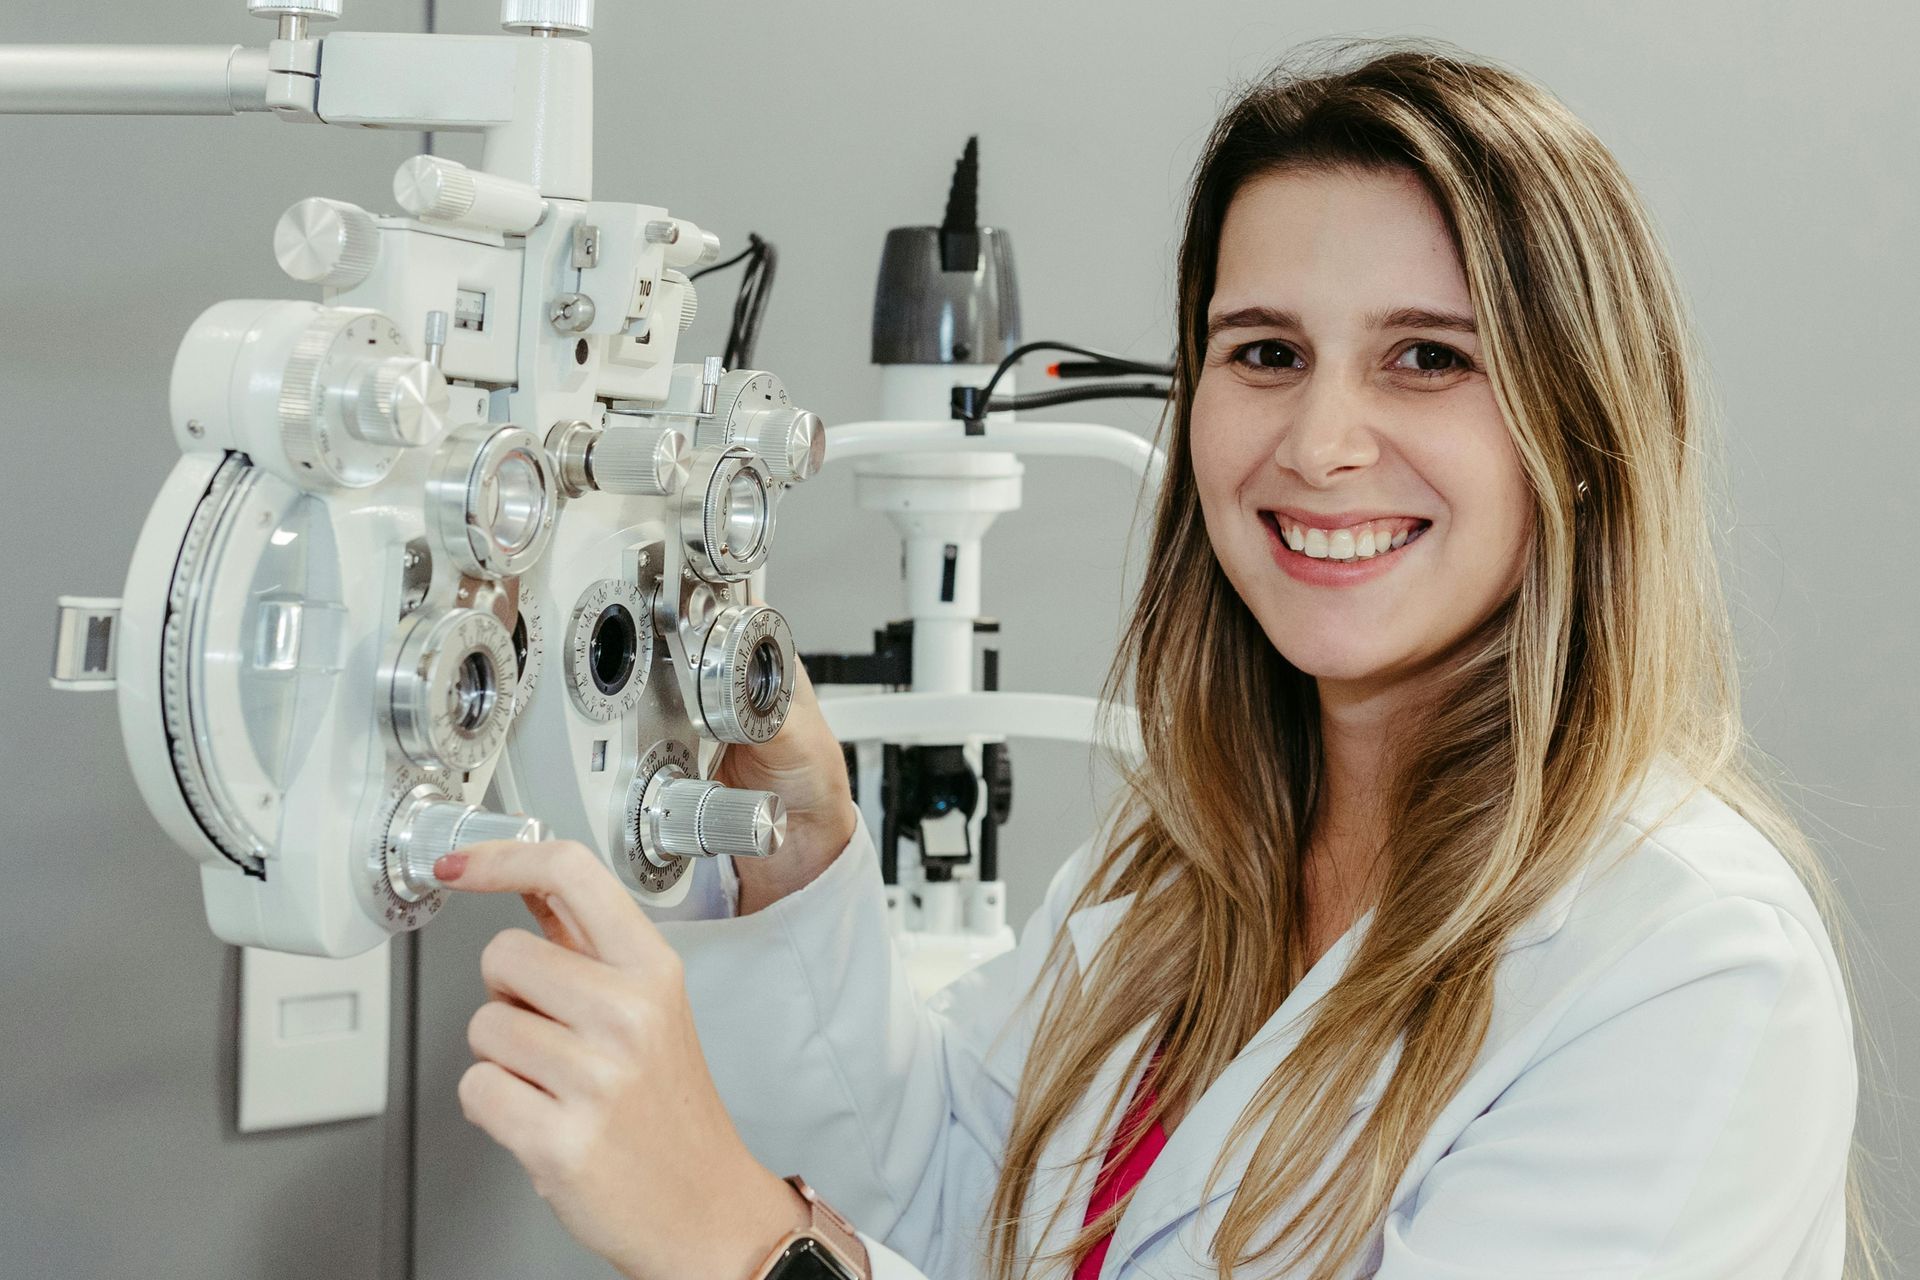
449, 867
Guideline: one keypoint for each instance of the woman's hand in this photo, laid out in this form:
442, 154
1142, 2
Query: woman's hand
804, 765
589, 1071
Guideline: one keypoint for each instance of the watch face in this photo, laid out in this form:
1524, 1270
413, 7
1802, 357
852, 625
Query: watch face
807, 1259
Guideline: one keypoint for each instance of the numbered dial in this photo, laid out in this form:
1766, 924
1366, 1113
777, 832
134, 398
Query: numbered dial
649, 868
747, 673
406, 791
351, 397
753, 410
726, 513
529, 638
450, 688
491, 500
609, 649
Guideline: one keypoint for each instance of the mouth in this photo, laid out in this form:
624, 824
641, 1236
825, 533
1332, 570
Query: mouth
1362, 543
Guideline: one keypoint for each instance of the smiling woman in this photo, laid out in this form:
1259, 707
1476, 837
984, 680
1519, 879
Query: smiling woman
1445, 931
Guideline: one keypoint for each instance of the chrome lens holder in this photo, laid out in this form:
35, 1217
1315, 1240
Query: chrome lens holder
450, 688
609, 649
726, 513
491, 499
747, 673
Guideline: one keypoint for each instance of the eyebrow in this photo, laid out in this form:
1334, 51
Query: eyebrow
1402, 318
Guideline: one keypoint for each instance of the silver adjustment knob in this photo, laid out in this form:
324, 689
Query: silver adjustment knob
326, 242
401, 401
793, 441
315, 10
690, 307
572, 16
643, 460
697, 818
747, 674
428, 829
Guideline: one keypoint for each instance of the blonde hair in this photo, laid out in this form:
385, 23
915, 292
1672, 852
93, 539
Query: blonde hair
1614, 650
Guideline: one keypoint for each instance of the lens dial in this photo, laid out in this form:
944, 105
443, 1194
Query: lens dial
747, 673
451, 684
491, 499
726, 513
609, 649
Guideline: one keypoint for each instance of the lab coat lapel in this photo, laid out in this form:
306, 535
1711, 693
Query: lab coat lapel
1056, 1181
1171, 1190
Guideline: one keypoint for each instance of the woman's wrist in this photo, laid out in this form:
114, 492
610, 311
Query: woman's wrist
813, 841
770, 1211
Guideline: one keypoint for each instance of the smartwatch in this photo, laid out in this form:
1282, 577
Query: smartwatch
827, 1249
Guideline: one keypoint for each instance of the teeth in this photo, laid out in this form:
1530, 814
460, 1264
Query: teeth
1357, 542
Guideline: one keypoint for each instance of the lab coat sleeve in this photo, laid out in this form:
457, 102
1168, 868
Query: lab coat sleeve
895, 1109
1690, 1116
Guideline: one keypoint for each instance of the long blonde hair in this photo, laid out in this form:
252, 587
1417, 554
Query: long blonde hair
1614, 649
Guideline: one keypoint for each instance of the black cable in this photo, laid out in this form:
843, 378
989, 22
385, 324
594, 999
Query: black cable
967, 400
1069, 395
756, 285
750, 303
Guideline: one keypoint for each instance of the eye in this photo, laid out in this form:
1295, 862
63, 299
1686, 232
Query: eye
1268, 353
1431, 360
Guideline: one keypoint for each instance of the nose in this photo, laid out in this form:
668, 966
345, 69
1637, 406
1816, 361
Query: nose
1326, 433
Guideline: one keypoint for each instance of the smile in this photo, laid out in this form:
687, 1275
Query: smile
1339, 557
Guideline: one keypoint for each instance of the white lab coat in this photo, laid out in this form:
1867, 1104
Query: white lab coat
1667, 1088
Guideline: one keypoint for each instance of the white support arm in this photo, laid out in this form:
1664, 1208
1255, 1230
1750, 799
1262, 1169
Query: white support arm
944, 717
131, 79
1058, 439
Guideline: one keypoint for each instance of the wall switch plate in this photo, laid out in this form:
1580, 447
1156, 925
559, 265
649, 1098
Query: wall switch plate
313, 1037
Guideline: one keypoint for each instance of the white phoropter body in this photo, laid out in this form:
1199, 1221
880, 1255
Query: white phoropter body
458, 542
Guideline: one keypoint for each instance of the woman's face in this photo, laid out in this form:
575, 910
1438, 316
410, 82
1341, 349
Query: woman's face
1356, 477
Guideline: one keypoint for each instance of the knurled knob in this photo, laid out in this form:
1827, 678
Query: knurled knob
573, 16
690, 307
793, 441
317, 10
645, 461
698, 818
440, 827
326, 242
401, 401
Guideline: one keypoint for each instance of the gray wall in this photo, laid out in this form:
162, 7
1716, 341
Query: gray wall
1776, 145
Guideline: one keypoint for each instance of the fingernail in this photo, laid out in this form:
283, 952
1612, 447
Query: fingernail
449, 867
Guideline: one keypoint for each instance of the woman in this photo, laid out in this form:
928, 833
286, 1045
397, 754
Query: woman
1446, 934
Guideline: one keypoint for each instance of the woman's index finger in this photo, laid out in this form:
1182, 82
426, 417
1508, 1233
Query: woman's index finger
574, 884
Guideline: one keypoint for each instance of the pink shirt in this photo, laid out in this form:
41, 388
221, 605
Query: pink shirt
1117, 1177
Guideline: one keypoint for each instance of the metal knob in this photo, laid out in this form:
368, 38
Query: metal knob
317, 10
572, 16
441, 190
326, 242
401, 401
702, 819
644, 460
427, 831
793, 441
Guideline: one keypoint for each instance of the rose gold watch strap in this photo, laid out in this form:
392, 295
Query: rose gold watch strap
835, 1231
